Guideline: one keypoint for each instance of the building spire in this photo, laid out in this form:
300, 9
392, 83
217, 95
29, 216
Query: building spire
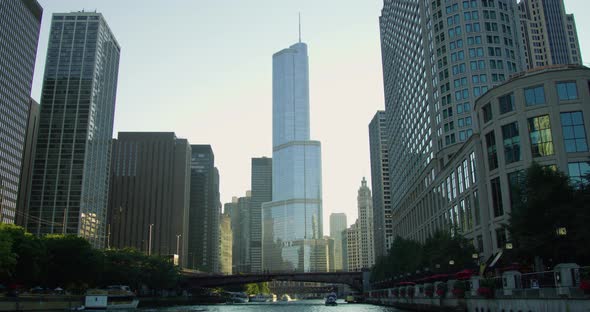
299, 27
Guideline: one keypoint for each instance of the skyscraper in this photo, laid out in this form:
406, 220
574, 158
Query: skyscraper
149, 193
204, 212
337, 225
438, 57
20, 21
365, 226
549, 34
225, 241
24, 189
261, 183
71, 173
293, 220
239, 213
382, 214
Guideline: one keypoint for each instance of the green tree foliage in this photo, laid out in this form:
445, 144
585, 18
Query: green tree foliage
257, 288
7, 256
408, 256
71, 262
548, 201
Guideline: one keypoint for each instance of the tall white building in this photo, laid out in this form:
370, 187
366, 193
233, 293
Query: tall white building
353, 250
292, 222
337, 226
365, 226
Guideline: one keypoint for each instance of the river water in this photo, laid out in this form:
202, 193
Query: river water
293, 306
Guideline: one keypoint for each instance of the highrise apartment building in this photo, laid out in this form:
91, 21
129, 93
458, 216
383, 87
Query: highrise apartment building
204, 211
226, 243
438, 58
549, 34
337, 226
365, 226
261, 183
149, 193
292, 222
20, 22
382, 214
71, 171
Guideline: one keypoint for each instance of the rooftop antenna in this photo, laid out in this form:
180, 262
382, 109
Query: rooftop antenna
299, 27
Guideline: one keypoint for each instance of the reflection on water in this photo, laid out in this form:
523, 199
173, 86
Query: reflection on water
294, 306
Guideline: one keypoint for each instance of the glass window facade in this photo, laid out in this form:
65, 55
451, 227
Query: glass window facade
511, 140
567, 91
492, 150
574, 133
506, 103
20, 21
579, 173
541, 138
497, 205
534, 95
72, 161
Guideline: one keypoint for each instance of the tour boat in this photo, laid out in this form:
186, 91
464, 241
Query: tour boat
116, 297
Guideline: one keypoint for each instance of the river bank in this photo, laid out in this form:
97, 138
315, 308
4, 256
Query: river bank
62, 302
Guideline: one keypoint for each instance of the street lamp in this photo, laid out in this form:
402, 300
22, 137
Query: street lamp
509, 246
451, 262
150, 240
561, 231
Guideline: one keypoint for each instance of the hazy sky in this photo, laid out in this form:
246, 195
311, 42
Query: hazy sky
203, 69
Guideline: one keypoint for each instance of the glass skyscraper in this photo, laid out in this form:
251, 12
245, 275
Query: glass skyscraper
71, 170
20, 21
292, 222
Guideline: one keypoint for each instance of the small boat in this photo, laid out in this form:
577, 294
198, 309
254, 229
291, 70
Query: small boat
260, 298
116, 297
285, 298
237, 297
331, 299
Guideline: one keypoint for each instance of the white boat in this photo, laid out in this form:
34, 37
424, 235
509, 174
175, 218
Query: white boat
116, 297
259, 298
285, 298
237, 297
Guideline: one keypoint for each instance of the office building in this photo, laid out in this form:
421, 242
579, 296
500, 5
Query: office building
541, 116
382, 214
353, 248
149, 193
261, 183
365, 226
337, 225
549, 34
26, 175
293, 220
71, 171
204, 211
239, 213
20, 22
226, 240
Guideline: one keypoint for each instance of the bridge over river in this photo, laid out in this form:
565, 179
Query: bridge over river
356, 280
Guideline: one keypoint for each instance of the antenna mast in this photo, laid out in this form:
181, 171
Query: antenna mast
299, 27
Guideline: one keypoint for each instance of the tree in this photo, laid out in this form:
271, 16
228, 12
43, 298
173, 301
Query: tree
72, 262
7, 256
547, 204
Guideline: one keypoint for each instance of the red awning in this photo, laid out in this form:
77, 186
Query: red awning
464, 275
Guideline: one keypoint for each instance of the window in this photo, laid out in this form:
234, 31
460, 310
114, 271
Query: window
579, 173
511, 140
487, 113
516, 182
501, 238
506, 103
574, 134
473, 166
534, 95
497, 198
491, 150
540, 133
567, 91
460, 178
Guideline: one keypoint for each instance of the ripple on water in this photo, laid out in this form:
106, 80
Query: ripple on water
294, 306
